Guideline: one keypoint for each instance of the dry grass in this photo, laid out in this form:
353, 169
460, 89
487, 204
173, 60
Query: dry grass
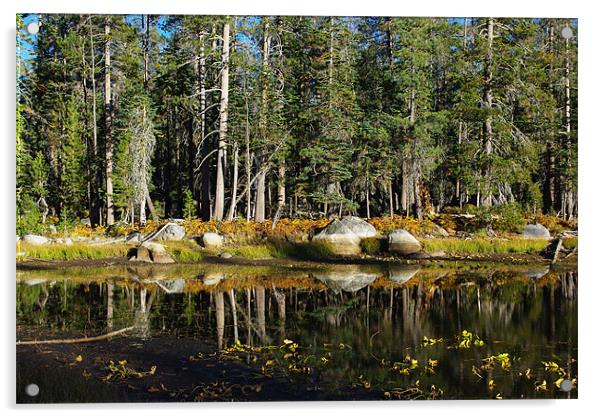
485, 245
76, 251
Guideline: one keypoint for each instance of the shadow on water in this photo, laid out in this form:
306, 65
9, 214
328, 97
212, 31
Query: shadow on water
363, 332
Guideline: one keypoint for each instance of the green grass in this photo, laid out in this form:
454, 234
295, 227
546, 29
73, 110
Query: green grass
75, 251
282, 249
373, 246
485, 245
256, 251
184, 251
570, 243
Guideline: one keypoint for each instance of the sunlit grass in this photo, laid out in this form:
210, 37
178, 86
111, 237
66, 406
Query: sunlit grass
485, 245
184, 251
76, 251
282, 249
570, 243
373, 245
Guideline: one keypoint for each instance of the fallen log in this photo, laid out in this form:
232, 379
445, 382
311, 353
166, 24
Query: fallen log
79, 340
557, 251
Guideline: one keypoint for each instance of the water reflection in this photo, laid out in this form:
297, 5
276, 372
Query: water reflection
530, 313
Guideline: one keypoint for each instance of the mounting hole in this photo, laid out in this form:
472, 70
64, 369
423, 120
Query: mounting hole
33, 28
567, 32
566, 385
32, 389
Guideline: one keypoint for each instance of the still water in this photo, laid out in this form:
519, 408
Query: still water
335, 332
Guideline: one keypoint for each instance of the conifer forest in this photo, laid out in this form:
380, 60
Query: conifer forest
129, 117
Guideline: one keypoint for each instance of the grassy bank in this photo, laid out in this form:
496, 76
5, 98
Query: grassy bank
76, 251
188, 251
485, 245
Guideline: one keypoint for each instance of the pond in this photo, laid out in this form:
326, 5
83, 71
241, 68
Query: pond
216, 333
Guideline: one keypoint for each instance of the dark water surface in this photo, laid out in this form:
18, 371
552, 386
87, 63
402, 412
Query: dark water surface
341, 332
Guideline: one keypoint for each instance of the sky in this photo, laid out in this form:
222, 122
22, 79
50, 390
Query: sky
28, 52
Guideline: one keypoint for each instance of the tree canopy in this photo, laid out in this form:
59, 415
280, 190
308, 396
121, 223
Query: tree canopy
293, 116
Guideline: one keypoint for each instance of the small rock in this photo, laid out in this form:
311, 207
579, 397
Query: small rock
151, 252
35, 239
401, 274
225, 255
440, 231
211, 279
85, 221
404, 243
359, 227
212, 240
437, 254
344, 280
341, 239
536, 231
134, 237
168, 232
64, 241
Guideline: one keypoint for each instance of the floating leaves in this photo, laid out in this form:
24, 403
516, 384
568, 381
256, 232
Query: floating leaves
414, 392
223, 391
121, 371
502, 359
426, 341
467, 339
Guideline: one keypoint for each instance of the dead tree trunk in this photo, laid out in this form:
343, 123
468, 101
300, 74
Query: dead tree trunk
218, 212
263, 121
488, 102
108, 125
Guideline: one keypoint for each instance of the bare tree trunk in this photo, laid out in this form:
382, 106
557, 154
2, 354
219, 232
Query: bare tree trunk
110, 305
232, 296
488, 100
281, 186
260, 197
367, 196
260, 306
108, 126
404, 187
219, 318
461, 124
416, 178
143, 212
232, 210
247, 154
549, 195
567, 115
95, 218
223, 124
390, 191
263, 121
151, 207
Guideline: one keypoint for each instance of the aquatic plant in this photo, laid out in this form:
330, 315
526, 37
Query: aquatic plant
121, 371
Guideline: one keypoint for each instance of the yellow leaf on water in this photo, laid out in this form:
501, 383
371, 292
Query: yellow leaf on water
79, 358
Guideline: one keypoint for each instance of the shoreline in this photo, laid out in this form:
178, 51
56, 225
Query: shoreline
511, 258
